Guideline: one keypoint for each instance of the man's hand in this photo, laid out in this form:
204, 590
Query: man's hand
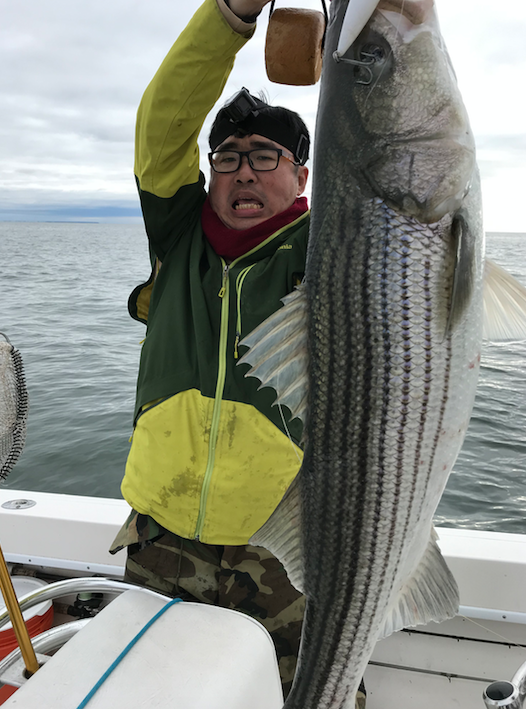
247, 8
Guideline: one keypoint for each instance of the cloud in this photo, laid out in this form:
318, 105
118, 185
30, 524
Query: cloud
497, 153
73, 75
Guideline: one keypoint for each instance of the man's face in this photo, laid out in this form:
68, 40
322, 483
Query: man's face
247, 197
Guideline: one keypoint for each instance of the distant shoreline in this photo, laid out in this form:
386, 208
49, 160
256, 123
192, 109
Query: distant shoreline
138, 220
49, 221
505, 233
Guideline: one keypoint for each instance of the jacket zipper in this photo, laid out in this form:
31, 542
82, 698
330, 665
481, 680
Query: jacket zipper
221, 374
216, 412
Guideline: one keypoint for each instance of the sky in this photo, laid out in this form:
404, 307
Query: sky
73, 74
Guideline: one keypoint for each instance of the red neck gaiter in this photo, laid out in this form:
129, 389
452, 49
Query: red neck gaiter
232, 243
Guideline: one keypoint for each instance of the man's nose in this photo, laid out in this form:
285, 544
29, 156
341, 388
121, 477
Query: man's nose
245, 173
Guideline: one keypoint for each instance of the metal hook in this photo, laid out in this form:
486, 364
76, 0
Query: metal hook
364, 64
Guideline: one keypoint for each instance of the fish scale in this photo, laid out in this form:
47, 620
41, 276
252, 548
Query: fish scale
357, 419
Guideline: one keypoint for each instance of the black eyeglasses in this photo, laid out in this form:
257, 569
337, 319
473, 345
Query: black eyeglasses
259, 159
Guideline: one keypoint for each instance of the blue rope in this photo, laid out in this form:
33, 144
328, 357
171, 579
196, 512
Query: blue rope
125, 652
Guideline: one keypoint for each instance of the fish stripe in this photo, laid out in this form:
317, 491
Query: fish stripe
351, 337
426, 388
423, 415
363, 461
328, 433
443, 403
385, 388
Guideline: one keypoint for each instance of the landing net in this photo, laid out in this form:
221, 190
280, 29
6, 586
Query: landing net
14, 406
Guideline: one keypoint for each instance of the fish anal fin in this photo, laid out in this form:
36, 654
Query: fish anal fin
431, 594
281, 535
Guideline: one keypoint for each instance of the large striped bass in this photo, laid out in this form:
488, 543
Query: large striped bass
378, 351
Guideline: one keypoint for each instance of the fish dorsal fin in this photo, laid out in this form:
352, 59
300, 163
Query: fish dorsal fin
278, 353
281, 535
504, 305
430, 594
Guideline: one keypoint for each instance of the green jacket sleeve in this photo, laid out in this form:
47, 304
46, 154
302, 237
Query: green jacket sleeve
178, 99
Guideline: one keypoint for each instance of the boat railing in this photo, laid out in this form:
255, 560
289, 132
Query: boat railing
93, 584
507, 695
11, 666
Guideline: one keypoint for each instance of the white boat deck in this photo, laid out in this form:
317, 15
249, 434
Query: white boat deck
69, 533
439, 665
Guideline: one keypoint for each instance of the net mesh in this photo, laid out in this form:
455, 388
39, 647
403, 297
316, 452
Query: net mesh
14, 405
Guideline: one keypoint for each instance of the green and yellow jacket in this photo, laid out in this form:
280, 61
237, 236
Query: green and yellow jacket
210, 456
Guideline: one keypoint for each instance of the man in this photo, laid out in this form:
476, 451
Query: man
211, 457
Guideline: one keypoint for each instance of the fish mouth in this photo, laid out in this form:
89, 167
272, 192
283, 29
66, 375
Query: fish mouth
406, 15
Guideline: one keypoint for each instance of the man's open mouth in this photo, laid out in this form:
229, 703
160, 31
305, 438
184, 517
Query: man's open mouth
241, 204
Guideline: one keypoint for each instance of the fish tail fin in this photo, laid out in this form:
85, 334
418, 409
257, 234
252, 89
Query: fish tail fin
431, 594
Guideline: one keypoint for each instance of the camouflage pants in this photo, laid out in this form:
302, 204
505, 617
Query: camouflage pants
248, 579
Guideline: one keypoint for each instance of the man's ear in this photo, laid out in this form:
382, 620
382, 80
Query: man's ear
303, 174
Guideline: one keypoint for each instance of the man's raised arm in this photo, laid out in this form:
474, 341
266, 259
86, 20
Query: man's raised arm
183, 92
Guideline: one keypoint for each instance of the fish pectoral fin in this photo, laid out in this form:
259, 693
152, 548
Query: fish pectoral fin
430, 594
464, 273
504, 305
278, 353
281, 534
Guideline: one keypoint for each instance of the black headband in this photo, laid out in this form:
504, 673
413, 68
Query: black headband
243, 113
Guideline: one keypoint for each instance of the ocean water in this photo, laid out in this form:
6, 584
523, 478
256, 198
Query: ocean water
63, 295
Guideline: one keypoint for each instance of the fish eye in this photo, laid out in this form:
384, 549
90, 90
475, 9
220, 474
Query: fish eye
373, 52
370, 56
373, 57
